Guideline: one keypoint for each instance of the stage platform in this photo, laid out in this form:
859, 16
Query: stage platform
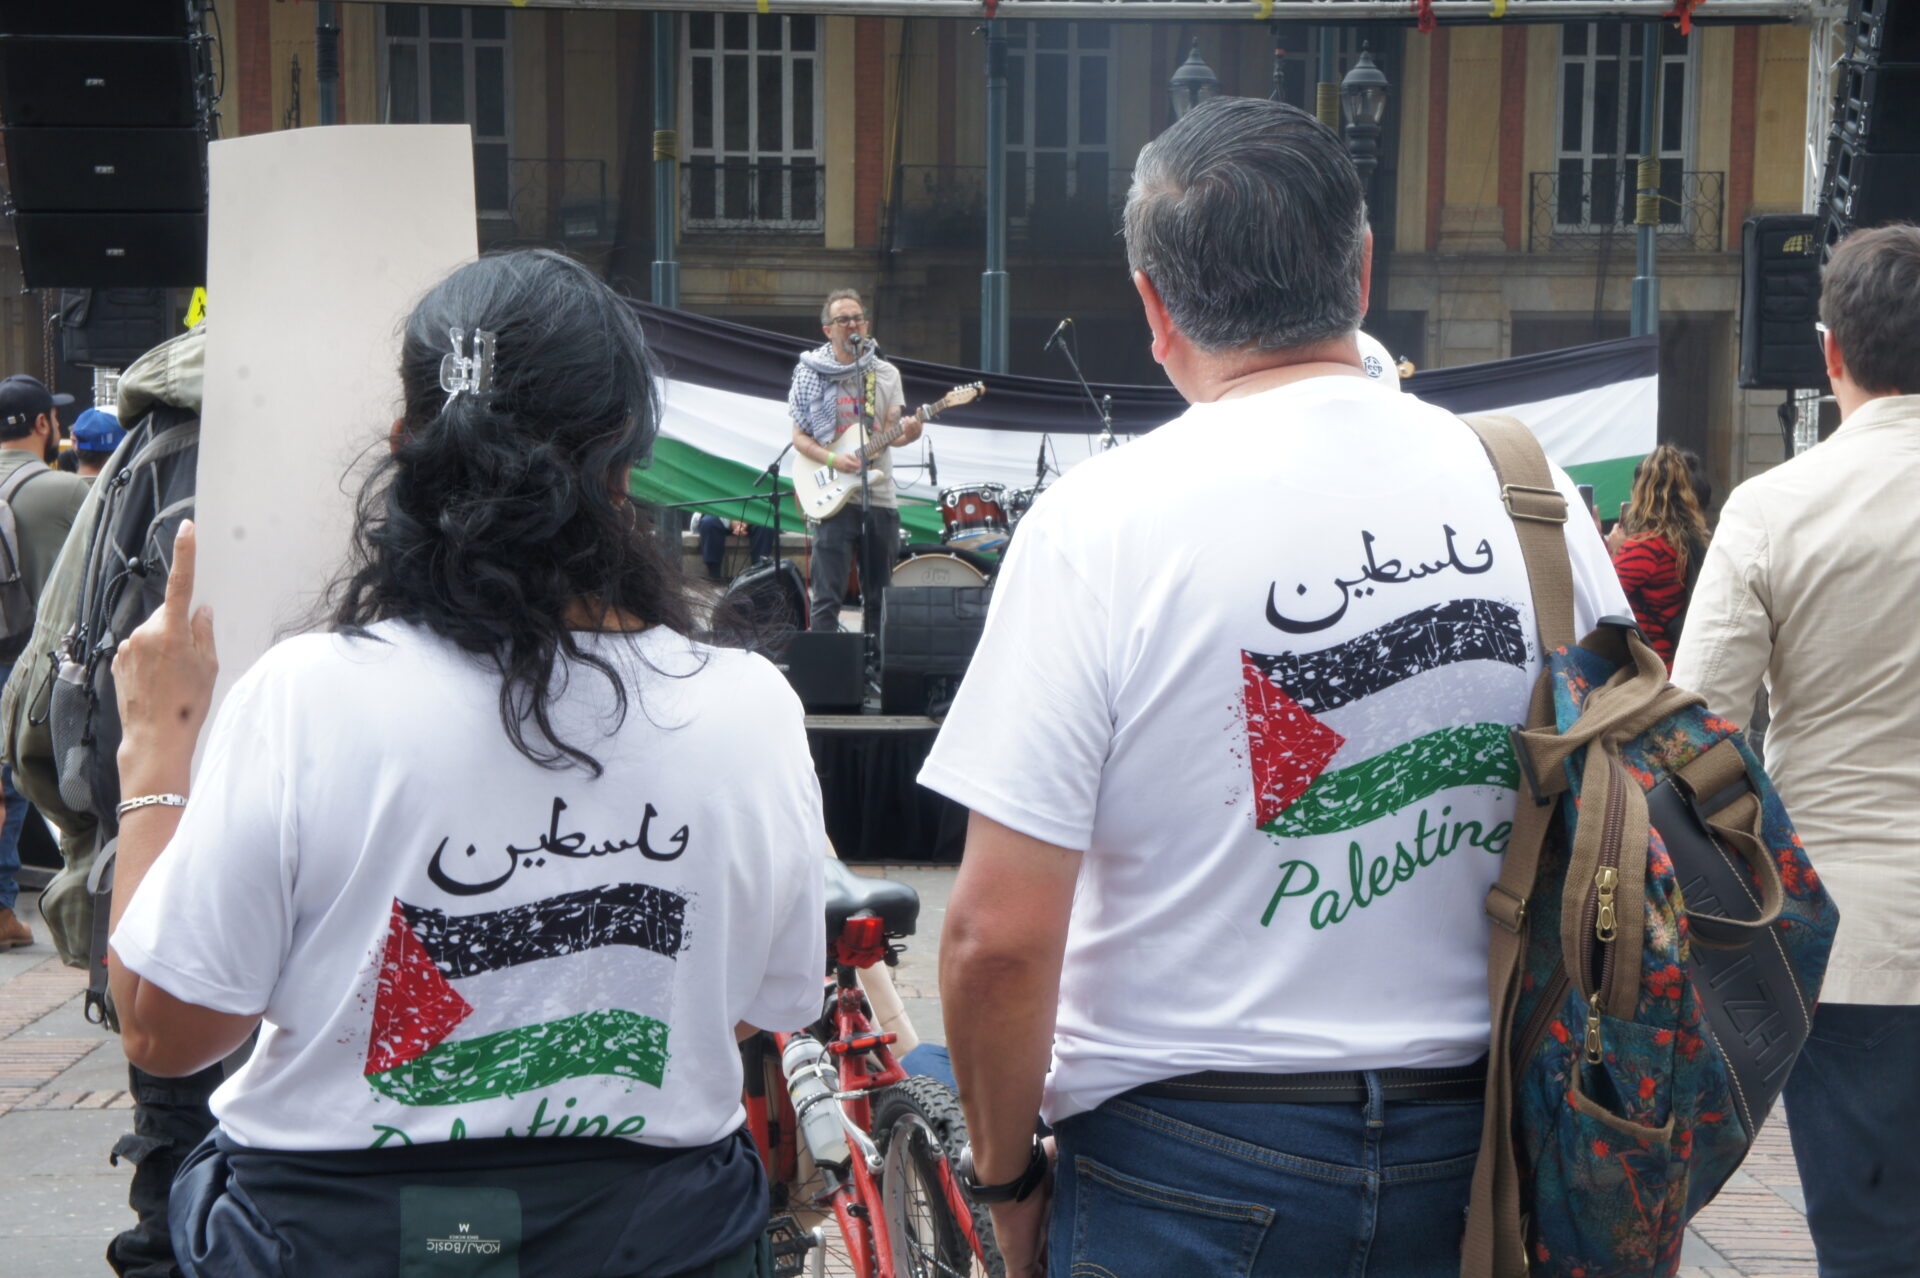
875, 810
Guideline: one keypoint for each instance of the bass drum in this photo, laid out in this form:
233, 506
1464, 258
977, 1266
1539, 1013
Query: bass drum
937, 570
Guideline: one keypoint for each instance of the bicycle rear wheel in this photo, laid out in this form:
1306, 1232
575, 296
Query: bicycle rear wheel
920, 1131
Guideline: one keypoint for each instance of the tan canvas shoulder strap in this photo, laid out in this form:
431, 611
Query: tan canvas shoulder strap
1495, 1242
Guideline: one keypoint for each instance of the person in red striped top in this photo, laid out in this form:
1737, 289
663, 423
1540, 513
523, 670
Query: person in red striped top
1658, 544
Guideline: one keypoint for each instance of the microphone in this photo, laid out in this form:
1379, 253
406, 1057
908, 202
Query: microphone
1058, 332
933, 464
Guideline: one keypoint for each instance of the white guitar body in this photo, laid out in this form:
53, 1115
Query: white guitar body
823, 491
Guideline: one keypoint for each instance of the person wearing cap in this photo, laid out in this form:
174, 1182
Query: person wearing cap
44, 506
96, 433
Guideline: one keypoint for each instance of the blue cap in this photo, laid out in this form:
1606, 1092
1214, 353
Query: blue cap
97, 431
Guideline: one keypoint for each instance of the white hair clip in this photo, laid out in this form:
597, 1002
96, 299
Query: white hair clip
462, 372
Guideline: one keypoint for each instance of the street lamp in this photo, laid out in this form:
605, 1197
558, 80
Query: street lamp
1363, 102
1192, 84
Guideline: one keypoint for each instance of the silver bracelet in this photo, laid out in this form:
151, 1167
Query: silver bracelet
149, 801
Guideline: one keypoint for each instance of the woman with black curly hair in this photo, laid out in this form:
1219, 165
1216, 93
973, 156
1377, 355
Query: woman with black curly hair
499, 868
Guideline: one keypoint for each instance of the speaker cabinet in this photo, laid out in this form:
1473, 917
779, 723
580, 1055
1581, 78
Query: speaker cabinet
112, 250
72, 83
112, 327
927, 638
97, 17
828, 670
107, 170
1779, 302
1871, 187
1888, 30
1874, 105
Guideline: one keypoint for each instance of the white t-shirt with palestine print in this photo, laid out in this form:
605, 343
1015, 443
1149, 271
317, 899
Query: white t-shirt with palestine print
1259, 666
448, 940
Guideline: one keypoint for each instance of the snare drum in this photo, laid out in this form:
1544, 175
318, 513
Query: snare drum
937, 570
975, 516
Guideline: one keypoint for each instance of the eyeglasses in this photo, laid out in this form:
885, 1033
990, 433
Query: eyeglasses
1820, 332
848, 319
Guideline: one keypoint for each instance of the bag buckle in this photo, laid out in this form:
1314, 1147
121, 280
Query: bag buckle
1506, 908
1542, 505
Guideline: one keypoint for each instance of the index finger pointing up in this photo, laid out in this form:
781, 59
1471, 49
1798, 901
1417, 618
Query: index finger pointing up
180, 577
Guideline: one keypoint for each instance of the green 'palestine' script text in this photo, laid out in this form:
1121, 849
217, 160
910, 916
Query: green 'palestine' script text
1370, 879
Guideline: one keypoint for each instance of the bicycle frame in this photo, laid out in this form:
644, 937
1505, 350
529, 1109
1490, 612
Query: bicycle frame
865, 1064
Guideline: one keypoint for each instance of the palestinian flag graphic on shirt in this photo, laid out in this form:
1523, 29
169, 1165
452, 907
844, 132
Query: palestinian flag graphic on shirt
1328, 731
457, 1016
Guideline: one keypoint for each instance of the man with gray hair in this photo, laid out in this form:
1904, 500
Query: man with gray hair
1809, 585
836, 388
1235, 816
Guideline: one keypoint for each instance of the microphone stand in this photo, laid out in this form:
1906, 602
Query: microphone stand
1103, 405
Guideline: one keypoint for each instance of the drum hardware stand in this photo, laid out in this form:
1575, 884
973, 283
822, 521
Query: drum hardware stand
1103, 404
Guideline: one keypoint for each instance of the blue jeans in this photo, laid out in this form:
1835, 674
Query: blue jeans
1148, 1187
10, 830
1853, 1111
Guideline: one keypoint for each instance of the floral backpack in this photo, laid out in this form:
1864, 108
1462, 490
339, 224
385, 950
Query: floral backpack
1658, 940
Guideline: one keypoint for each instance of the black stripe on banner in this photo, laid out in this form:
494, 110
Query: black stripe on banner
1463, 630
635, 914
1528, 379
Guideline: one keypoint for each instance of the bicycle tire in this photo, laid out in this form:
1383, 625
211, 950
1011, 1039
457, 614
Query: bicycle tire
915, 1123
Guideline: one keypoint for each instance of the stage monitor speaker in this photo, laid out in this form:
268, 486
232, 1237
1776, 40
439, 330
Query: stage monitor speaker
112, 327
1874, 104
97, 17
107, 170
1888, 30
767, 600
1871, 187
1779, 302
828, 669
112, 250
72, 83
927, 638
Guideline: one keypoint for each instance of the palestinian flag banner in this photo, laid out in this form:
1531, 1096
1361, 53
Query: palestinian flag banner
1327, 729
451, 1017
724, 393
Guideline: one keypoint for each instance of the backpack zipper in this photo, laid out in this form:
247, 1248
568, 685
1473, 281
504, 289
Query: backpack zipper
1601, 916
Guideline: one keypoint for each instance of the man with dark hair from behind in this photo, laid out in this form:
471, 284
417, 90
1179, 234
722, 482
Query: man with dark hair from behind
1810, 584
1235, 815
44, 505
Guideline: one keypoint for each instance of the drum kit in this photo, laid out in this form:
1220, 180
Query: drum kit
976, 520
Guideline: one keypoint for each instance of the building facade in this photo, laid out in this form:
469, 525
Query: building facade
821, 152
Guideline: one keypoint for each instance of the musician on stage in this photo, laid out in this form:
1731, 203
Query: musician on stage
834, 387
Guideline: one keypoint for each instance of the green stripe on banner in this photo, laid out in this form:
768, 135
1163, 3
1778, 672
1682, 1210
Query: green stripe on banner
1612, 482
615, 1041
1478, 754
682, 473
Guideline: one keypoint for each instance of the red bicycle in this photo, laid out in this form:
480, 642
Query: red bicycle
851, 1140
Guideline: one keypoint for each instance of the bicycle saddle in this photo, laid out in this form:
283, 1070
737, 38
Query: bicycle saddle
848, 894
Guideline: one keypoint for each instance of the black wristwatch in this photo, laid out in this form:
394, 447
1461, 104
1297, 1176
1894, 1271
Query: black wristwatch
1017, 1190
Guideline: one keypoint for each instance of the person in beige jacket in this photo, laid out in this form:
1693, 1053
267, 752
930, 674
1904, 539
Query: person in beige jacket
1810, 585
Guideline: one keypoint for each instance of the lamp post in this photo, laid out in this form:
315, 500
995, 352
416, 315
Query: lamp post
1193, 83
1363, 103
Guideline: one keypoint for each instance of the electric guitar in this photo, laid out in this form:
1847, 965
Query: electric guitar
823, 491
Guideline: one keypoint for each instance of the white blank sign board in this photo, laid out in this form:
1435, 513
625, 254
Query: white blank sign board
320, 242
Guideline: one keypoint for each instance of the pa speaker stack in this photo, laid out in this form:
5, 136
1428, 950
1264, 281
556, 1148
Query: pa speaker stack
105, 104
1873, 148
1780, 257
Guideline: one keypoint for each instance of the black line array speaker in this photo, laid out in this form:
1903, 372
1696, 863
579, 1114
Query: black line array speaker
927, 638
105, 108
1885, 30
1780, 257
1873, 147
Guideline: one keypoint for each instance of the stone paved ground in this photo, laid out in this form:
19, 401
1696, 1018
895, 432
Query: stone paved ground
63, 1103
